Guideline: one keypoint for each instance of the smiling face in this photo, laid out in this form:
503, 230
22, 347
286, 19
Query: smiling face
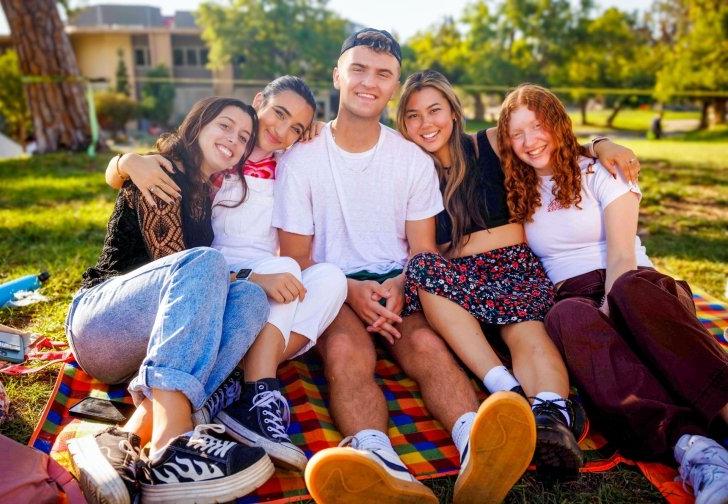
223, 140
531, 142
428, 118
281, 120
366, 80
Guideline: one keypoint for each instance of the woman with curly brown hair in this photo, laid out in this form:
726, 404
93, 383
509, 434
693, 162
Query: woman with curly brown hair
485, 273
628, 334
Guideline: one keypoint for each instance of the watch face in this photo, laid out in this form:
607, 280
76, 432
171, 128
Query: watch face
243, 274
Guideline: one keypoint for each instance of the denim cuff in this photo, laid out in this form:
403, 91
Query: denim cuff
151, 377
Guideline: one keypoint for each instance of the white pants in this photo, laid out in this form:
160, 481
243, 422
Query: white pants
325, 294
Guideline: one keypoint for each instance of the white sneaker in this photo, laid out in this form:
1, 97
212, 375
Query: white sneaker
703, 466
347, 474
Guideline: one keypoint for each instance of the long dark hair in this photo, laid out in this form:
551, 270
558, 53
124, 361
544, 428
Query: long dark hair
460, 191
182, 145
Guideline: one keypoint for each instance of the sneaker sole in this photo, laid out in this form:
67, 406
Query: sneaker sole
285, 457
502, 442
337, 475
557, 456
211, 491
100, 482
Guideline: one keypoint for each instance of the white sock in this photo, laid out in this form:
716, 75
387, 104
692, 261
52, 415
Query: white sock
155, 455
461, 430
499, 379
556, 398
371, 439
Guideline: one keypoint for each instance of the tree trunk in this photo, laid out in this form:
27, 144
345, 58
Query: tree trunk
582, 106
704, 114
478, 107
719, 110
55, 92
617, 108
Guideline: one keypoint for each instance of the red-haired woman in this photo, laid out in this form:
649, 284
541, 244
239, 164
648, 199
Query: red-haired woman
628, 334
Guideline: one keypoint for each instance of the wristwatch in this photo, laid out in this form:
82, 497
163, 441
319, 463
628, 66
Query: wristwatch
243, 274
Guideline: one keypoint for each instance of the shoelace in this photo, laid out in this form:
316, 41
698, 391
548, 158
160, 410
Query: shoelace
223, 396
703, 470
205, 443
278, 426
349, 441
552, 407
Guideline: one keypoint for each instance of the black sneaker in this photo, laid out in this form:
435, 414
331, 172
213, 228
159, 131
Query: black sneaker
557, 452
202, 468
261, 418
226, 394
107, 465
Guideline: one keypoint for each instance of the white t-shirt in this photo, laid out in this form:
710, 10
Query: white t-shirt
572, 241
245, 232
355, 204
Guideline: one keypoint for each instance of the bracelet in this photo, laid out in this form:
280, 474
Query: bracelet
118, 173
593, 143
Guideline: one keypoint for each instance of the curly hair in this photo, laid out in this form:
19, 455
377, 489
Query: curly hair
521, 180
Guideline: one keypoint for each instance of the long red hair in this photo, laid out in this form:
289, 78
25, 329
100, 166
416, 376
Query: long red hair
521, 180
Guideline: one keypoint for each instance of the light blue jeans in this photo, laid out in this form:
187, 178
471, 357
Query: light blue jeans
176, 323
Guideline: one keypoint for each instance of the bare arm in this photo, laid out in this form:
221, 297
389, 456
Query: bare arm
620, 219
150, 173
297, 247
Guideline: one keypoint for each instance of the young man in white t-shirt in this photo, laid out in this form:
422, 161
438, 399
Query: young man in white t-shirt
362, 197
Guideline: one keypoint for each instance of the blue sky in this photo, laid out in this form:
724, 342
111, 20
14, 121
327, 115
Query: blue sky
402, 16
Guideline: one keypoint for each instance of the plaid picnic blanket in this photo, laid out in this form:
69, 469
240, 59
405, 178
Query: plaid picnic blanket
421, 442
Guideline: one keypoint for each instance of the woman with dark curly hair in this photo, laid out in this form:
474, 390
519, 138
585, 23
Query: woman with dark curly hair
629, 335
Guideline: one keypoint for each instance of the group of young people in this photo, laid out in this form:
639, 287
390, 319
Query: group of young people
233, 249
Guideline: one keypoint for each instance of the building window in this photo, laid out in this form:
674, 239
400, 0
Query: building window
141, 56
190, 56
179, 57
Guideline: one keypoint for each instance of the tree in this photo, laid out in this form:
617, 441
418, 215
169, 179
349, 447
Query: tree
122, 77
54, 89
273, 37
698, 58
16, 119
158, 95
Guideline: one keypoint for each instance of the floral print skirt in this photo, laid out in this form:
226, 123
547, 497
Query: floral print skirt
501, 286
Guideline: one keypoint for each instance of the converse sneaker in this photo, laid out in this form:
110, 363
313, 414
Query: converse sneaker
202, 468
226, 394
703, 466
107, 465
499, 449
347, 474
261, 418
557, 452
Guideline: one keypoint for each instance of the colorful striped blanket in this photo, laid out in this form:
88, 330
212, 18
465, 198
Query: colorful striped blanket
422, 443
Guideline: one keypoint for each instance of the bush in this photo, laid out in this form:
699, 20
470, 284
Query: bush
158, 96
114, 110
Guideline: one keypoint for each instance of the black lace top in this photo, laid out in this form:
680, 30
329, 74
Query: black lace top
139, 233
488, 177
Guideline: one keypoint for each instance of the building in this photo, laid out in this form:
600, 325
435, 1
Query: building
145, 39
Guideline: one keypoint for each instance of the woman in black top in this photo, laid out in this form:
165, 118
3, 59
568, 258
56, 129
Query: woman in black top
159, 308
485, 273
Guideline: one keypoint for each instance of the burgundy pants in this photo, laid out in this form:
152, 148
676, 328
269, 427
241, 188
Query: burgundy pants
650, 371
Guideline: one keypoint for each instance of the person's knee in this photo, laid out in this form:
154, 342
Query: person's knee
282, 265
422, 351
326, 279
347, 360
204, 262
251, 300
423, 262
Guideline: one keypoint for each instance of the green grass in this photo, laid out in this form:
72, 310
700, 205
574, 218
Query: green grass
631, 119
54, 209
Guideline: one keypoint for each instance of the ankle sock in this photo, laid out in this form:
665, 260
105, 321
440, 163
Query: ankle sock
372, 439
461, 431
499, 379
155, 455
555, 398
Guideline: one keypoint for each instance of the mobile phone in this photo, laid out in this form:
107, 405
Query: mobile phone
12, 347
103, 410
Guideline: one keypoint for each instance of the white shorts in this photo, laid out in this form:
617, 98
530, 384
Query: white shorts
325, 294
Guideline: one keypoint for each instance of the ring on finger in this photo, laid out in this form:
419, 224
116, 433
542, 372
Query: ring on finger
151, 189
